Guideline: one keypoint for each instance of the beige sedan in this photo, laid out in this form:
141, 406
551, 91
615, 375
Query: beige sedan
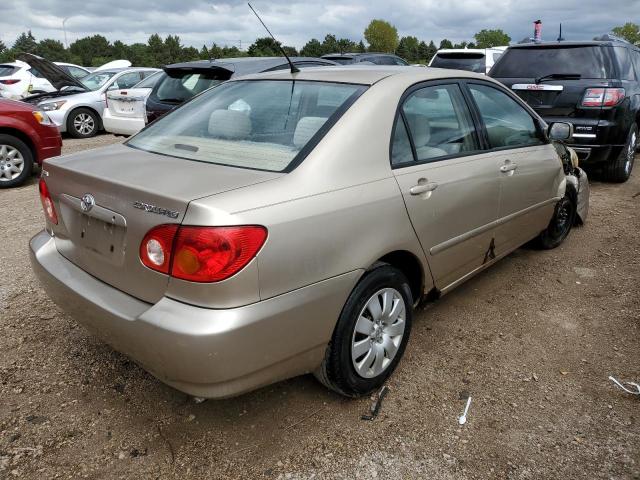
287, 223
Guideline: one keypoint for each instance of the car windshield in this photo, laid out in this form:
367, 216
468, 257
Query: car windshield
150, 81
94, 81
261, 124
472, 62
536, 62
6, 70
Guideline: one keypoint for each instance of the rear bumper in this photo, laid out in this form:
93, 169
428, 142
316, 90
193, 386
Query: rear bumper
203, 352
121, 125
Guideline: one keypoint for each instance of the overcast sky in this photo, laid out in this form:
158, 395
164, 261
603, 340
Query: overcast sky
199, 22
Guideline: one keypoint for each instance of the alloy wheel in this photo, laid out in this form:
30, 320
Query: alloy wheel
84, 123
11, 163
631, 153
378, 333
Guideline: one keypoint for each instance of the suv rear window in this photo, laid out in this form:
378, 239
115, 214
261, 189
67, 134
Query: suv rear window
472, 62
535, 62
6, 70
258, 124
179, 85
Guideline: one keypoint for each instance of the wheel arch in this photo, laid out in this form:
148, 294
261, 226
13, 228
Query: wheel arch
24, 137
410, 266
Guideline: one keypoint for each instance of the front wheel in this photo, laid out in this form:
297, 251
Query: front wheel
564, 217
619, 169
83, 123
371, 334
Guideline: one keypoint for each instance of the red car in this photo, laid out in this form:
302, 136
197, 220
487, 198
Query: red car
27, 136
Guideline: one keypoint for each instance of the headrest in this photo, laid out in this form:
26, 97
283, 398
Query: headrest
420, 128
229, 124
307, 128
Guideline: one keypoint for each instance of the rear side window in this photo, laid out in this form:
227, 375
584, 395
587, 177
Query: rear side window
535, 62
439, 123
7, 70
624, 63
401, 152
507, 122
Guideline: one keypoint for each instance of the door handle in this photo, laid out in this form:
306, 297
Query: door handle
423, 186
508, 166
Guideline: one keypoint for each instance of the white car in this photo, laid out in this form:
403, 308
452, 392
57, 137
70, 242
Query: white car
76, 71
125, 113
479, 60
77, 105
19, 79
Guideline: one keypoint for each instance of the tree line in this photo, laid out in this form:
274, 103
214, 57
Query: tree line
380, 36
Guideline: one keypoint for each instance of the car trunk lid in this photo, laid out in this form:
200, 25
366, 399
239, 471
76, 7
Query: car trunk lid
108, 199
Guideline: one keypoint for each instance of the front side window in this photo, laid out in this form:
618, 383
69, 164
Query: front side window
261, 124
507, 122
439, 122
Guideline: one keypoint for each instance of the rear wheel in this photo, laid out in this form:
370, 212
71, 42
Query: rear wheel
16, 161
620, 168
371, 334
563, 219
83, 123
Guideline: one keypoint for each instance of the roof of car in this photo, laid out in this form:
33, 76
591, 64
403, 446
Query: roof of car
474, 51
357, 54
366, 74
586, 43
244, 65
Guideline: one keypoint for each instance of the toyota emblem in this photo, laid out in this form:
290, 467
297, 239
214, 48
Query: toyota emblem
87, 202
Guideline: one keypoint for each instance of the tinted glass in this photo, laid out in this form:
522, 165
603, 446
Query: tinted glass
401, 149
177, 87
508, 123
6, 70
150, 80
460, 61
635, 58
625, 66
251, 124
535, 62
439, 122
94, 81
36, 73
341, 60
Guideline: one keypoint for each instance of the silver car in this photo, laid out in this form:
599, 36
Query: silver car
287, 223
77, 105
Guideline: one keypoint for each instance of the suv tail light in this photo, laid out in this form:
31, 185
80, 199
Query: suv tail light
12, 81
47, 202
201, 254
602, 97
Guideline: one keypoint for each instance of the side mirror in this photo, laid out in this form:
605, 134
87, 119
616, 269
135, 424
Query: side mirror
560, 131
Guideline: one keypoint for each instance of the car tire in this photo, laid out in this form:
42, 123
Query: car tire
564, 217
369, 339
619, 169
83, 123
16, 161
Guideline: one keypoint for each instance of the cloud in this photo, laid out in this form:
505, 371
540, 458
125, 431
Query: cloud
199, 22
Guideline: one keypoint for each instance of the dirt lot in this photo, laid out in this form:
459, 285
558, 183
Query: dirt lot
533, 341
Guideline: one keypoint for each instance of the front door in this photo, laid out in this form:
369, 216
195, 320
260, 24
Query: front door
449, 184
530, 169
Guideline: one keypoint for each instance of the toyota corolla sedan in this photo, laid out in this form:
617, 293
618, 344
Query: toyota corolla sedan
282, 224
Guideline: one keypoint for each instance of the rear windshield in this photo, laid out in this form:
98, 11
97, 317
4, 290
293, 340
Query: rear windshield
472, 62
536, 62
180, 86
260, 124
6, 70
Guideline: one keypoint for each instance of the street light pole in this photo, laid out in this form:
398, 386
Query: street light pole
66, 44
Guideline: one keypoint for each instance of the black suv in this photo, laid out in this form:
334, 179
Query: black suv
593, 85
371, 57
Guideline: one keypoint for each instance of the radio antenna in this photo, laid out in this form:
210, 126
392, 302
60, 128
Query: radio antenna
294, 69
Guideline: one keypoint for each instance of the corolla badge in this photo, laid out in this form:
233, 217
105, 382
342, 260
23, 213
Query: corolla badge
155, 209
87, 202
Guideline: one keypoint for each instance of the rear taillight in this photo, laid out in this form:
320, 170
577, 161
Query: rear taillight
602, 97
201, 254
47, 202
12, 81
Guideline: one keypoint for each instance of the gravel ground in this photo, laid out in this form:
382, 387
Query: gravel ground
532, 340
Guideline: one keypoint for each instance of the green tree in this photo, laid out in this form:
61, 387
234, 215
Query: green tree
119, 50
204, 53
264, 47
431, 51
381, 36
361, 48
330, 44
232, 52
446, 44
409, 49
139, 55
313, 48
3, 47
172, 49
189, 54
52, 50
491, 38
155, 51
26, 43
91, 50
629, 31
347, 46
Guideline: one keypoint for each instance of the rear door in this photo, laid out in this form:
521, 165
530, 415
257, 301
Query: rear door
530, 169
450, 185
